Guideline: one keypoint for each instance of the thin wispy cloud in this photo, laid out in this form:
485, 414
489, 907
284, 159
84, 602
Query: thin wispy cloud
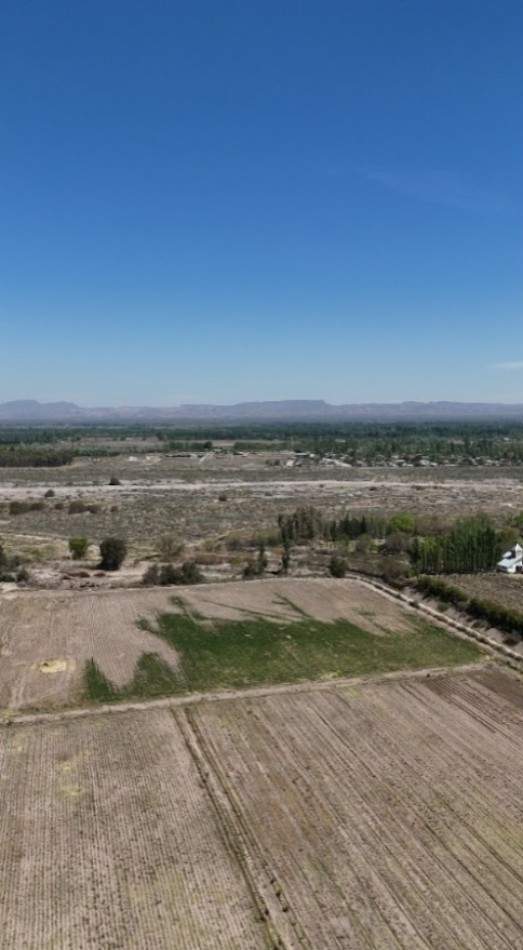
508, 365
441, 187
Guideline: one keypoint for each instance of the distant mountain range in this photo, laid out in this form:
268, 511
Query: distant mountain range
28, 411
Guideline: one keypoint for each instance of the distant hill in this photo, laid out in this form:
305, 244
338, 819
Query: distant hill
26, 411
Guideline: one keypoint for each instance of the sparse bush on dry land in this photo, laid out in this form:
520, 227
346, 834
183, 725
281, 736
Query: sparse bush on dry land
50, 493
169, 547
11, 570
78, 548
78, 507
114, 480
113, 552
166, 575
23, 507
255, 568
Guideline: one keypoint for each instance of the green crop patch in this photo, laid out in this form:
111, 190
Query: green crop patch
226, 654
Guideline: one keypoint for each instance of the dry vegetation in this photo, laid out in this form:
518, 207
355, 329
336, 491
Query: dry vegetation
377, 815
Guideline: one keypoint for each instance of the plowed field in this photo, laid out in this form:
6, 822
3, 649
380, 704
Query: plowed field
48, 637
42, 629
383, 815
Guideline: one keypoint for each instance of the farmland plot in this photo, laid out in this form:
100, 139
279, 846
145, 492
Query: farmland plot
240, 634
386, 816
46, 638
108, 839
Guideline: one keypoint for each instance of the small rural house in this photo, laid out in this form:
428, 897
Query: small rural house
512, 561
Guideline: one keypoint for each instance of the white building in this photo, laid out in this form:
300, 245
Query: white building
512, 561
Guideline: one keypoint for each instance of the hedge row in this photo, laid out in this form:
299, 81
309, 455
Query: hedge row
503, 618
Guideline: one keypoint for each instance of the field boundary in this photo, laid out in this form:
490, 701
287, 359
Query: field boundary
8, 719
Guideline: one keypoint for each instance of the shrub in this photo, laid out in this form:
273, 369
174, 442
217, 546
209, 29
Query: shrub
113, 551
166, 575
114, 480
338, 566
78, 548
50, 493
169, 547
80, 507
22, 507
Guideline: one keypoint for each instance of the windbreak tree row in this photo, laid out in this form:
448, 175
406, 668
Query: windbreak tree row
472, 545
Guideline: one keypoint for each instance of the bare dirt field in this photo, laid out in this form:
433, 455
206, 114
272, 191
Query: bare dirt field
322, 598
46, 637
384, 814
41, 629
108, 839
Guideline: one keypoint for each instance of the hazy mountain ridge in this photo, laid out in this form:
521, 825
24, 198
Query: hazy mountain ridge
32, 411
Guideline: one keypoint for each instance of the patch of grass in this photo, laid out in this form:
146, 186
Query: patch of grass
226, 654
152, 677
96, 687
252, 652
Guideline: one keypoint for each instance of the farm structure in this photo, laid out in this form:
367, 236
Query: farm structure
512, 561
382, 814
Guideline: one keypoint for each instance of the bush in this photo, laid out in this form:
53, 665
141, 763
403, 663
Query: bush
338, 566
78, 548
113, 552
165, 575
50, 493
114, 480
22, 507
169, 547
80, 507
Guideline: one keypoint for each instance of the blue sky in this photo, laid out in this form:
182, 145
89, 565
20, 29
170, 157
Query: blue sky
215, 202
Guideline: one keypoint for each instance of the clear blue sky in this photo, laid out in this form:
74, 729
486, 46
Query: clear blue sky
208, 201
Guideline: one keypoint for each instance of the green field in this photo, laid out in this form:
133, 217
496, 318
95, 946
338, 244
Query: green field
225, 654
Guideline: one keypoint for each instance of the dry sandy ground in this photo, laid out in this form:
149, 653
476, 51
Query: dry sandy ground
323, 598
46, 637
380, 815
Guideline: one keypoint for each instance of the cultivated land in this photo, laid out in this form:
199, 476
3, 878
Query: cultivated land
381, 814
216, 636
